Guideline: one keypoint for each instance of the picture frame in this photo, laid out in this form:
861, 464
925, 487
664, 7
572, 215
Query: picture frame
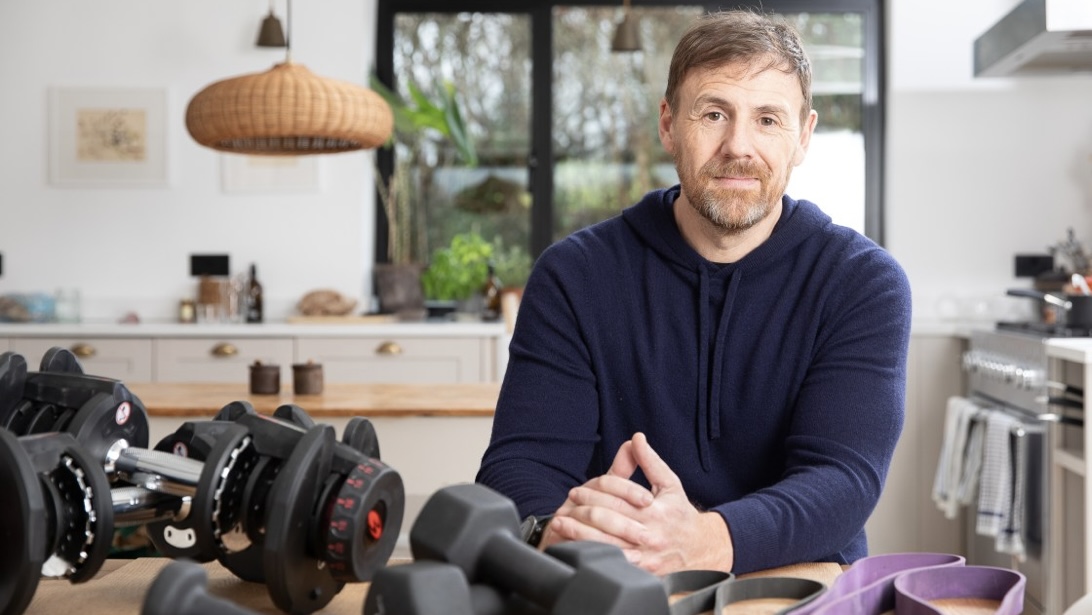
108, 137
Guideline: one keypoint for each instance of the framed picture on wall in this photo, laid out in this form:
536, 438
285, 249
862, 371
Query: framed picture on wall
108, 137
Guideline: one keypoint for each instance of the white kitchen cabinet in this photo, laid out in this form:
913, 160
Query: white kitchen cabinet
121, 359
220, 359
906, 519
401, 359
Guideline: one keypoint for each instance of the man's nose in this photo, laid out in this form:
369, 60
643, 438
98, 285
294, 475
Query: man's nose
737, 140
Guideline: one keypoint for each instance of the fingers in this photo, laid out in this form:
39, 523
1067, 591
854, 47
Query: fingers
624, 464
660, 475
598, 525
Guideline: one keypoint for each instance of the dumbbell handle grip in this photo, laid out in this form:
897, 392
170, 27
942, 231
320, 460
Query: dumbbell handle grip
139, 506
160, 471
508, 563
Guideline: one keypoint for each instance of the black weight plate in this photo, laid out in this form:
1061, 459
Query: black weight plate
23, 531
295, 415
43, 419
297, 582
13, 376
102, 507
60, 360
247, 563
194, 537
234, 410
362, 520
63, 419
359, 433
105, 419
20, 417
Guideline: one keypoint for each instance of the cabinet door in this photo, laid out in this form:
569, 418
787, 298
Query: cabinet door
401, 359
219, 359
125, 359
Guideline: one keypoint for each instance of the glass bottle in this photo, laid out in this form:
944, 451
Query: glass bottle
491, 295
253, 296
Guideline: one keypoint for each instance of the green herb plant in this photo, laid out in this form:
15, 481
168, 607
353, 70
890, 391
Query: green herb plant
458, 271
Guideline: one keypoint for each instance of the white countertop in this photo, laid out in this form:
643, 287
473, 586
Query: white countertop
275, 329
1077, 349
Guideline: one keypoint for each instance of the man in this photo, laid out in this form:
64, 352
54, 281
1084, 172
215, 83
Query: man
714, 379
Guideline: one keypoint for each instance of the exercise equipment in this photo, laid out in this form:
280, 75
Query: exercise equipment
276, 499
57, 517
430, 588
477, 529
182, 589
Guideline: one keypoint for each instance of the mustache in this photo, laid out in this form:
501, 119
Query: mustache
735, 168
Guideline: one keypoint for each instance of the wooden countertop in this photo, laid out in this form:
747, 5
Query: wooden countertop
336, 400
120, 586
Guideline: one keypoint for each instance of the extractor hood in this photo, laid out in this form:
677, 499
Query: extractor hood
1038, 37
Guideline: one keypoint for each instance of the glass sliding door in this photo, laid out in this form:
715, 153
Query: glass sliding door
606, 105
486, 59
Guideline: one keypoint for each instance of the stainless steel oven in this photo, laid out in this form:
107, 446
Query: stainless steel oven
1007, 370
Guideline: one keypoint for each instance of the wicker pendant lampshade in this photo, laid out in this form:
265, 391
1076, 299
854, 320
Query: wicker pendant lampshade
288, 110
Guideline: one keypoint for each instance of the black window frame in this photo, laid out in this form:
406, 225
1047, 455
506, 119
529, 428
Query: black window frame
873, 99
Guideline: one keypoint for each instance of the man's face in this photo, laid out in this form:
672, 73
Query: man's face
736, 135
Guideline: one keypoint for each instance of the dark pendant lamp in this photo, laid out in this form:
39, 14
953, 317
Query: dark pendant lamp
288, 111
626, 36
271, 33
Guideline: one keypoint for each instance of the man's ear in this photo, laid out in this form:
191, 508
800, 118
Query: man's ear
667, 138
806, 131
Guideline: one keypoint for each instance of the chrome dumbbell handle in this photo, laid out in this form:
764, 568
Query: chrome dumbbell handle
159, 471
138, 506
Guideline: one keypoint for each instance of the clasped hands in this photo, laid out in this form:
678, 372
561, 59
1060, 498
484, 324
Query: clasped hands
658, 529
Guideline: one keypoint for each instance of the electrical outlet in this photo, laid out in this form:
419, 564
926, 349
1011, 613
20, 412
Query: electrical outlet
209, 264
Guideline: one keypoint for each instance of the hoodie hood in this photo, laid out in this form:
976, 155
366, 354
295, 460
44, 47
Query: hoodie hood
716, 286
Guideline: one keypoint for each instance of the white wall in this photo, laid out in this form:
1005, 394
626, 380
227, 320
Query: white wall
128, 249
978, 170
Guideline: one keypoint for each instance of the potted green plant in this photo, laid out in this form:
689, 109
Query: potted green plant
456, 273
422, 125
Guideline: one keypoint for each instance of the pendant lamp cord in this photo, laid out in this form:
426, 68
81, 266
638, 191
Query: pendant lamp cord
288, 35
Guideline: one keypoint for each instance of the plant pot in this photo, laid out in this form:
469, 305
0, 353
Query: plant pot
399, 289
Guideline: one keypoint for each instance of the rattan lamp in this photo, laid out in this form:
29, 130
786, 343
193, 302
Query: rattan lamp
288, 110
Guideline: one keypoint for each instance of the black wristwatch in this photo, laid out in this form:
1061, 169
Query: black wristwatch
532, 527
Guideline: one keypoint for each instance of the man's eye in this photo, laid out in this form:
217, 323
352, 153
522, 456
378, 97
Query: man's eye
715, 116
767, 121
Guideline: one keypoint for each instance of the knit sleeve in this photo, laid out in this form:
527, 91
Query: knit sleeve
845, 424
545, 425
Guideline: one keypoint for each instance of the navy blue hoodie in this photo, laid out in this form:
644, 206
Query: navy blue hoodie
774, 386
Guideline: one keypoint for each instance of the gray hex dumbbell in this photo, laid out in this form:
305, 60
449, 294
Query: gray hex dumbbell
430, 588
181, 588
477, 529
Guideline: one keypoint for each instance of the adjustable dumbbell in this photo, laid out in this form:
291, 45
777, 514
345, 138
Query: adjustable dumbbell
477, 529
277, 504
100, 412
56, 519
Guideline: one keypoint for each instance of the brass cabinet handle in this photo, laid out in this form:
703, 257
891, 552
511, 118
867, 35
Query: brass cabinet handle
224, 349
389, 348
83, 351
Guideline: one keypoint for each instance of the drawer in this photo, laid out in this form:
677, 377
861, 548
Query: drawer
219, 359
125, 359
401, 360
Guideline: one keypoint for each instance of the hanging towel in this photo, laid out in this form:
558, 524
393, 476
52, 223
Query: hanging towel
972, 460
1010, 537
954, 473
997, 485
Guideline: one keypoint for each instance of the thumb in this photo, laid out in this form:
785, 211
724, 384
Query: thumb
624, 464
